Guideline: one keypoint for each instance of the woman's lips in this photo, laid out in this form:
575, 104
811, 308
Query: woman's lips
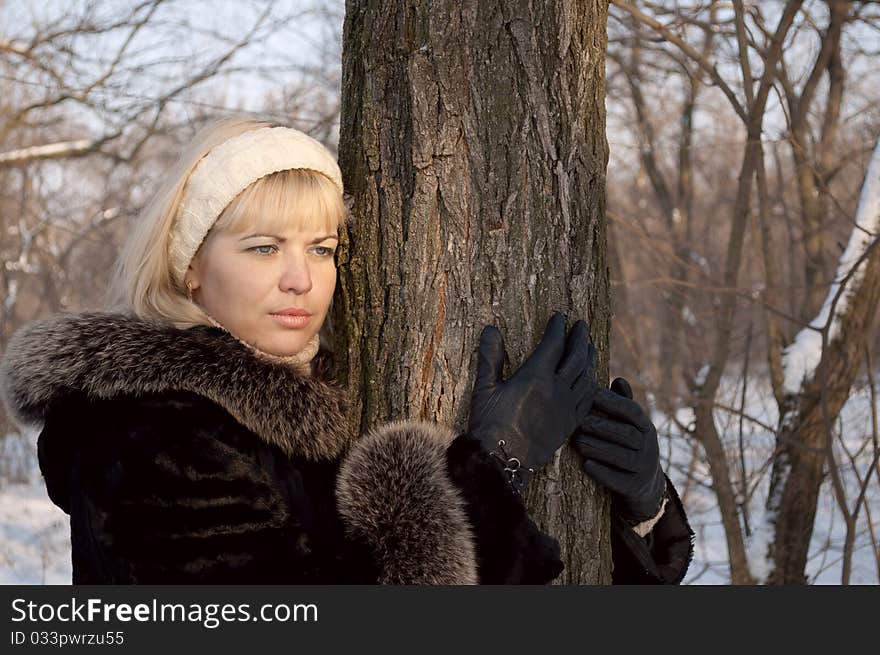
289, 321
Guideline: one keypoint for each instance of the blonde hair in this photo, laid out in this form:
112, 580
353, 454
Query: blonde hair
143, 284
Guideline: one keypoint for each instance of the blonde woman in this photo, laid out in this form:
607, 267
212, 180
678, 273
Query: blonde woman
194, 436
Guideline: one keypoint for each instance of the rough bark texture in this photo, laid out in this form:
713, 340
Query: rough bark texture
804, 438
473, 147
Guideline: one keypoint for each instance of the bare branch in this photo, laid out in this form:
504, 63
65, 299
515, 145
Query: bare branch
673, 38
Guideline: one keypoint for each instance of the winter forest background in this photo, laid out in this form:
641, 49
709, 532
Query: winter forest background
743, 213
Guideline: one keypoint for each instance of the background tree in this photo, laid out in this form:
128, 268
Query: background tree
777, 106
473, 146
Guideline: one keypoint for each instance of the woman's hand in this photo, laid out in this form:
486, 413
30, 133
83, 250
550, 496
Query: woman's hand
525, 419
619, 444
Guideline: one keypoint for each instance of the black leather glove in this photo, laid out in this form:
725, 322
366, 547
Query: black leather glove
619, 444
525, 419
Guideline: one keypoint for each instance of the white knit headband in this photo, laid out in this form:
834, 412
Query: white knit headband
231, 167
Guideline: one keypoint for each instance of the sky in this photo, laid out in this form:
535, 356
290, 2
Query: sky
191, 32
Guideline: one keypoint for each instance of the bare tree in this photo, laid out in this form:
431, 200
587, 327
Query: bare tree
473, 146
803, 86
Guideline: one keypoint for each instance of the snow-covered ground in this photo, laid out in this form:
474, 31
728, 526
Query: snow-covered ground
34, 534
710, 565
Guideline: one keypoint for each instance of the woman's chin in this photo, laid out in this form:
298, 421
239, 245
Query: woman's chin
287, 346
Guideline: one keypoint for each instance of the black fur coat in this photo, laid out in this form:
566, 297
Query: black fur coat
182, 457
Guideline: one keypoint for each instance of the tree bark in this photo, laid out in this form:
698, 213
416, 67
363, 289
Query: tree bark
473, 147
804, 435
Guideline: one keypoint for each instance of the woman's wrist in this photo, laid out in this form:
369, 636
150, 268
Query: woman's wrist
642, 529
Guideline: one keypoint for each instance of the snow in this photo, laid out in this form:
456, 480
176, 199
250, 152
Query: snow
824, 566
701, 261
801, 358
34, 537
760, 562
758, 544
700, 379
688, 316
34, 533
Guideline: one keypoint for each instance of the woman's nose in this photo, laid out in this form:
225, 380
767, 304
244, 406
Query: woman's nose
296, 276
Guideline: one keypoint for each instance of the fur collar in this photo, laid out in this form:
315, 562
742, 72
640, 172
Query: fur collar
105, 354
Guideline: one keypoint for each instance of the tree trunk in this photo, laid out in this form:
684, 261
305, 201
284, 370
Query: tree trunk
798, 471
806, 417
473, 147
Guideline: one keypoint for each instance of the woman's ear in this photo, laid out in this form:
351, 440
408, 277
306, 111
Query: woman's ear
191, 279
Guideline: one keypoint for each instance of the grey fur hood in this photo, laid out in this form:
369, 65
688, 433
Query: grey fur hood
107, 354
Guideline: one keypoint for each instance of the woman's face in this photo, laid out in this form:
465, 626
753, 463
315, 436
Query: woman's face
251, 282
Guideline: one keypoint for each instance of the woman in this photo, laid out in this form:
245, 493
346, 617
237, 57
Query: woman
193, 435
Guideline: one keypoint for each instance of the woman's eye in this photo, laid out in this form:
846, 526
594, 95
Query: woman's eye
263, 250
325, 252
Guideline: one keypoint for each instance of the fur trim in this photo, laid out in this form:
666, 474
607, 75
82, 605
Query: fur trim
105, 355
393, 491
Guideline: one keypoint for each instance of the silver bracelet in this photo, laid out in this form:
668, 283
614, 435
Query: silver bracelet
512, 467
